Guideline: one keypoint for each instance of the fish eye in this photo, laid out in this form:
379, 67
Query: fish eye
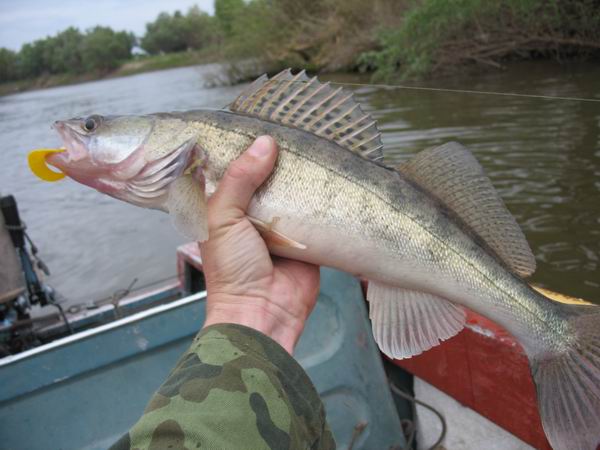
90, 124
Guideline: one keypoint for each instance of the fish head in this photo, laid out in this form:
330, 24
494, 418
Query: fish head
132, 158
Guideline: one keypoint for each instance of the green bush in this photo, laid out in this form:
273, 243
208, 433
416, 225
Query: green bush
408, 38
438, 35
313, 34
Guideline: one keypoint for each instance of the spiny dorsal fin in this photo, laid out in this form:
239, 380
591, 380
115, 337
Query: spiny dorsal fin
452, 174
305, 103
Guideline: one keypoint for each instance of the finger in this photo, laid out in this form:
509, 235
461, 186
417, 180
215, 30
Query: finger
241, 180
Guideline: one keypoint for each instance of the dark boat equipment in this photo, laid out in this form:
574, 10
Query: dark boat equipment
16, 331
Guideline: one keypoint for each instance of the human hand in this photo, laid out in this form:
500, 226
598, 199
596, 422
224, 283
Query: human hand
245, 285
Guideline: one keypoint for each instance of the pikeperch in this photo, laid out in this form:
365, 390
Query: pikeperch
429, 236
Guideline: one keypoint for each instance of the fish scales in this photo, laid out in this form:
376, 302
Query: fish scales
318, 187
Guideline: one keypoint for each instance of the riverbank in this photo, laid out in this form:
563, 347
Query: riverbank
399, 40
138, 65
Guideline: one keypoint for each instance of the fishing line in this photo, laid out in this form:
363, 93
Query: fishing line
469, 91
415, 401
455, 91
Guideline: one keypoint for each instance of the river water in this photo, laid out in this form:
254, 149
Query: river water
542, 155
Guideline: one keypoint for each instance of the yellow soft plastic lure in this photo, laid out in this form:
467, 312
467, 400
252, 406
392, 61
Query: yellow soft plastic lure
38, 165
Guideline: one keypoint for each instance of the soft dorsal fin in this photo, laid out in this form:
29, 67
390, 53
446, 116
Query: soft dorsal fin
305, 103
452, 174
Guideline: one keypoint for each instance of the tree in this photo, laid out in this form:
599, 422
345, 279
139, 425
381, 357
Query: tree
179, 32
9, 69
166, 34
226, 12
70, 51
32, 59
103, 49
200, 29
63, 52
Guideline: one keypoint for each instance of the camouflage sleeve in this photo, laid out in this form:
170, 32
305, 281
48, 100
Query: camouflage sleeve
234, 388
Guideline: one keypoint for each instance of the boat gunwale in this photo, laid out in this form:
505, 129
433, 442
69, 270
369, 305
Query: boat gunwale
82, 335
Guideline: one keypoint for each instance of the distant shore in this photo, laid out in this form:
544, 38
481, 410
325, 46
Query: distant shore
138, 65
398, 40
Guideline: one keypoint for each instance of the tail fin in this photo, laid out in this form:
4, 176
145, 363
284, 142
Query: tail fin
568, 385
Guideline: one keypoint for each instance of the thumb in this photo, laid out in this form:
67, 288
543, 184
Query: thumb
242, 178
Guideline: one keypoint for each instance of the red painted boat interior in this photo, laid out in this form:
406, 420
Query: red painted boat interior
485, 368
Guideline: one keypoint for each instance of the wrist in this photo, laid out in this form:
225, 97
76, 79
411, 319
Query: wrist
258, 314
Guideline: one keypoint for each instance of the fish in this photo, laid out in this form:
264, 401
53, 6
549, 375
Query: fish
431, 236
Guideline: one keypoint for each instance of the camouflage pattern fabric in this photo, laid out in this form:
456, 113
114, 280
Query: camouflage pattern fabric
234, 388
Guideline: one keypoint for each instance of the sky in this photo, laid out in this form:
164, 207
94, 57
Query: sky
23, 21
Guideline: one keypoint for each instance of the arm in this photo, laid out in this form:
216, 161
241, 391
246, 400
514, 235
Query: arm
237, 387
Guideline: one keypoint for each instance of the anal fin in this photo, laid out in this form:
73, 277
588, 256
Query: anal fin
273, 237
406, 323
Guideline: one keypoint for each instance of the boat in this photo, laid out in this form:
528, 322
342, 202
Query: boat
84, 376
90, 377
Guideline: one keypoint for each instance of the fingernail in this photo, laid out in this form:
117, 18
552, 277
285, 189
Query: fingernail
261, 147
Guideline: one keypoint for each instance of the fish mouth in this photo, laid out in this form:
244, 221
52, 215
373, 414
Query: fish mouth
134, 179
76, 161
75, 148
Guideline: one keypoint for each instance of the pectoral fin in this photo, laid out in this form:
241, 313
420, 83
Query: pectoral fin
406, 323
188, 209
273, 237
